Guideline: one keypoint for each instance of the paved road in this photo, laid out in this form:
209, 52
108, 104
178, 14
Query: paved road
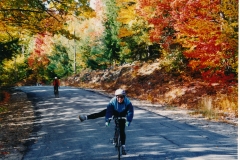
59, 135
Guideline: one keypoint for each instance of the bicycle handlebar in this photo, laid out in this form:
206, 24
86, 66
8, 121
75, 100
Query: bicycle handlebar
109, 119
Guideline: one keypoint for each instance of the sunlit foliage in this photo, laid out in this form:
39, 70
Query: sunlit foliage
207, 31
38, 16
14, 70
197, 37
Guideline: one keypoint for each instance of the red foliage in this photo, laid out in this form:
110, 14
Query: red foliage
6, 97
38, 57
218, 76
158, 14
211, 52
196, 25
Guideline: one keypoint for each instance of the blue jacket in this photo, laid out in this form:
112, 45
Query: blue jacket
124, 109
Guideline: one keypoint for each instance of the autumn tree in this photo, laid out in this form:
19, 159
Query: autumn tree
133, 33
38, 60
89, 48
138, 46
13, 70
158, 16
204, 31
199, 34
37, 16
208, 31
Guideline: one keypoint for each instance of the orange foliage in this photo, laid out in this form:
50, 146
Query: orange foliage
157, 13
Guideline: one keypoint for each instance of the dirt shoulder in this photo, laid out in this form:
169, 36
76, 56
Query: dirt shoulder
16, 125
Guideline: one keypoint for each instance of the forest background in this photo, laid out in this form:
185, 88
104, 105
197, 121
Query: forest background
192, 45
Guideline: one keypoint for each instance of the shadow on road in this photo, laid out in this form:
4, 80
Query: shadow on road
58, 134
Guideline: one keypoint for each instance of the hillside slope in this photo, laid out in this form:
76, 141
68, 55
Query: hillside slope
150, 82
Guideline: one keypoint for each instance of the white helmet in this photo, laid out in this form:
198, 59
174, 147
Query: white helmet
120, 92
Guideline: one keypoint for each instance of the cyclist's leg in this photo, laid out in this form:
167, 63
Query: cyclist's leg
123, 135
93, 116
97, 115
122, 130
55, 90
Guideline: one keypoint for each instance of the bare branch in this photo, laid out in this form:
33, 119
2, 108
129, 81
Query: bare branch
21, 10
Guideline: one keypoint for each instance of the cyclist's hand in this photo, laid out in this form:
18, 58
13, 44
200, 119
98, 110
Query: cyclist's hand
128, 124
107, 124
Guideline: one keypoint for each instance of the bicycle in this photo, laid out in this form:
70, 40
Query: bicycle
117, 136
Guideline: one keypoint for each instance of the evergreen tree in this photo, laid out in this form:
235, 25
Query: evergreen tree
60, 64
111, 24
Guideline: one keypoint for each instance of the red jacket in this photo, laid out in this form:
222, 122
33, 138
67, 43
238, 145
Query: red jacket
56, 82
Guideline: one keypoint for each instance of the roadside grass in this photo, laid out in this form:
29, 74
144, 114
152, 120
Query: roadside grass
206, 108
217, 107
3, 109
227, 103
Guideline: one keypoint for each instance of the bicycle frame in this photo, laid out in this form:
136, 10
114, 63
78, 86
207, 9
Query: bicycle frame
117, 136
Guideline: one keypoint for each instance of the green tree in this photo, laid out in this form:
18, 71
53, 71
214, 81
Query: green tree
138, 46
111, 40
60, 65
9, 49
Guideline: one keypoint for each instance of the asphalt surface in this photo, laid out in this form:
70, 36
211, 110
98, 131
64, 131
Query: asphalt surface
59, 135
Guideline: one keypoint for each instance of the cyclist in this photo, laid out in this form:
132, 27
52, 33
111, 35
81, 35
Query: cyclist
119, 106
56, 84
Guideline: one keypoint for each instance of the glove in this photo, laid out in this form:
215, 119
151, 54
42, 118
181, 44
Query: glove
127, 124
107, 124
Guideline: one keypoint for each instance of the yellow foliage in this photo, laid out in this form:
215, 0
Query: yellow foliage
126, 51
126, 14
11, 64
124, 32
